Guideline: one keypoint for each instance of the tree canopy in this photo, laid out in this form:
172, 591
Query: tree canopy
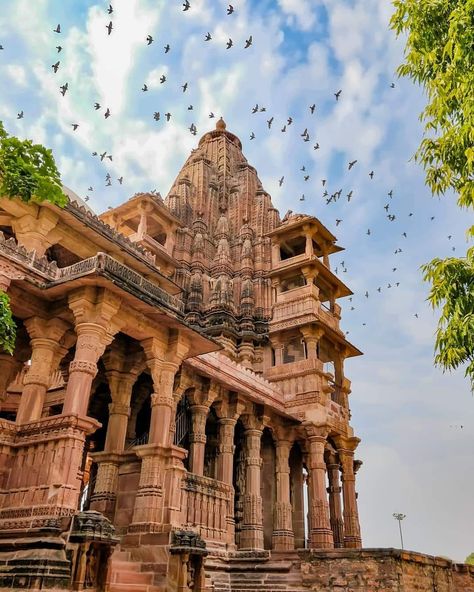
439, 55
28, 171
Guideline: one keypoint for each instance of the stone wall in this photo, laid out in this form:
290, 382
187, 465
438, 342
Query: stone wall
382, 570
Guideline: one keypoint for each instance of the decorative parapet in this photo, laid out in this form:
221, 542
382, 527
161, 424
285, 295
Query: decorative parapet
93, 526
101, 264
93, 221
187, 541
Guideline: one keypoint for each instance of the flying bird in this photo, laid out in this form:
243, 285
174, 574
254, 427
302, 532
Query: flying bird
20, 115
352, 163
312, 108
120, 180
186, 5
144, 88
306, 177
338, 222
269, 122
168, 116
371, 174
289, 121
302, 197
102, 156
64, 88
57, 29
96, 106
109, 28
338, 94
107, 113
190, 108
156, 116
392, 85
74, 126
110, 9
184, 86
248, 42
55, 67
58, 47
283, 129
280, 181
230, 10
316, 146
167, 48
149, 39
162, 79
211, 115
208, 37
255, 109
230, 43
252, 136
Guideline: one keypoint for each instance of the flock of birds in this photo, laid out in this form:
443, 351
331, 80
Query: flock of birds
284, 127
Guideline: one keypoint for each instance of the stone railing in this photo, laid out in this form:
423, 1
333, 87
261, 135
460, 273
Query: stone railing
208, 504
15, 251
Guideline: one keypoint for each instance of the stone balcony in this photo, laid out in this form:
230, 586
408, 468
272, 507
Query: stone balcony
301, 306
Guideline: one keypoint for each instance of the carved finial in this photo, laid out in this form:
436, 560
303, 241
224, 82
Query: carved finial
220, 125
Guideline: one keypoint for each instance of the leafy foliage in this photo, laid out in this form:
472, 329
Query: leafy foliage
28, 171
470, 559
452, 289
439, 55
7, 324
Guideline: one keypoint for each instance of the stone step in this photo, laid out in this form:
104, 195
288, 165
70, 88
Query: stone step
134, 588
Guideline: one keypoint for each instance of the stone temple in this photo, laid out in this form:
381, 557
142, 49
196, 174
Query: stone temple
175, 417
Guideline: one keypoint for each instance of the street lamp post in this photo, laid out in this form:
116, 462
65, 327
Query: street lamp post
400, 517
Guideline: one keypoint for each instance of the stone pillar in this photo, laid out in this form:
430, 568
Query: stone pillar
251, 536
198, 438
320, 533
335, 506
92, 339
311, 335
283, 537
158, 499
225, 460
346, 447
46, 354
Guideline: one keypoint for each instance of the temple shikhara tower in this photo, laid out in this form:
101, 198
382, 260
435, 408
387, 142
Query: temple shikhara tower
176, 416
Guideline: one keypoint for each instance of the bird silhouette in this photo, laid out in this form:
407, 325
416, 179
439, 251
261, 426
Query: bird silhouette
269, 122
323, 181
59, 48
302, 198
57, 29
208, 37
230, 9
102, 156
368, 231
64, 88
390, 193
306, 177
190, 108
283, 129
255, 109
107, 113
312, 108
252, 136
167, 48
120, 180
90, 188
55, 67
168, 116
371, 174
392, 85
186, 5
156, 116
289, 121
280, 181
162, 79
96, 106
349, 195
109, 28
211, 115
338, 94
144, 88
20, 115
149, 39
316, 146
352, 163
184, 86
338, 221
248, 42
74, 126
230, 43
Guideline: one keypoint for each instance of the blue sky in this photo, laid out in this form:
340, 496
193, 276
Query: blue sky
417, 458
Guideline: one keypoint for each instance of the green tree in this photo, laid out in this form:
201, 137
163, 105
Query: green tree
439, 55
470, 559
28, 172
